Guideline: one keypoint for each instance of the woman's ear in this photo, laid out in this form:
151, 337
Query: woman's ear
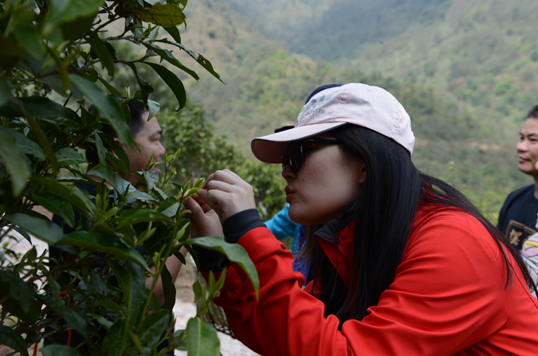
363, 173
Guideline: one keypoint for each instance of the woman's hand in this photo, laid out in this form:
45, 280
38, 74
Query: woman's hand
204, 220
227, 194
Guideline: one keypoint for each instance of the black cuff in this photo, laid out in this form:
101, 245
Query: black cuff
211, 260
239, 224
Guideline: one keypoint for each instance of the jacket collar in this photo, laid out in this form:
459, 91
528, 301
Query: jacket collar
336, 238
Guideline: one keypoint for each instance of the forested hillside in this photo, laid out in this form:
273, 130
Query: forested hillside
458, 73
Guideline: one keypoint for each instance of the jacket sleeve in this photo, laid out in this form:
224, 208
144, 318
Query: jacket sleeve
448, 294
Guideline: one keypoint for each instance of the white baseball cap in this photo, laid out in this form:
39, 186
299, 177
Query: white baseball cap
332, 106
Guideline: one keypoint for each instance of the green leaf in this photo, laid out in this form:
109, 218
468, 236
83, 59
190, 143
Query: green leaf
59, 350
70, 192
29, 37
208, 66
132, 283
44, 142
152, 178
54, 81
173, 83
11, 338
53, 286
165, 15
56, 205
62, 11
169, 289
35, 106
68, 156
18, 295
180, 257
75, 30
44, 230
111, 49
109, 87
108, 107
114, 340
172, 210
73, 318
96, 284
202, 339
137, 216
199, 290
154, 304
152, 328
24, 144
136, 342
11, 52
61, 67
138, 195
91, 76
154, 108
101, 320
107, 61
162, 195
169, 202
105, 243
23, 233
118, 151
215, 288
17, 164
101, 150
235, 253
107, 173
87, 118
197, 57
174, 32
5, 93
145, 88
169, 57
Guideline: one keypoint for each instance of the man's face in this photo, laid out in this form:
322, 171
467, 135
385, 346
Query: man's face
527, 148
149, 140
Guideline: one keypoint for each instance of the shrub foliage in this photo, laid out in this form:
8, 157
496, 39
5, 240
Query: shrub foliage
57, 89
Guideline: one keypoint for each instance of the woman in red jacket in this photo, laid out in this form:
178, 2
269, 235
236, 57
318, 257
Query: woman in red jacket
401, 262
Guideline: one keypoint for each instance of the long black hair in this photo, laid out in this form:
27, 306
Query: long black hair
384, 213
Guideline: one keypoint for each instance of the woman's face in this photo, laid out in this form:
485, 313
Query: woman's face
325, 185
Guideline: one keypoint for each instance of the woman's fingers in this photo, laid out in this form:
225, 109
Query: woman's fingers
205, 221
225, 176
195, 208
228, 194
197, 198
211, 204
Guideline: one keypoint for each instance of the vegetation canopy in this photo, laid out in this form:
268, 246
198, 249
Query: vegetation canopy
59, 63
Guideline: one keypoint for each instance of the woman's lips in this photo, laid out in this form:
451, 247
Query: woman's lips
289, 194
522, 159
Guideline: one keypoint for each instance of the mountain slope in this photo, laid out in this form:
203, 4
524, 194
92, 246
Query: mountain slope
266, 86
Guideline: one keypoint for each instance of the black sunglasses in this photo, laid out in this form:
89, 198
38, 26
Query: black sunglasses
294, 154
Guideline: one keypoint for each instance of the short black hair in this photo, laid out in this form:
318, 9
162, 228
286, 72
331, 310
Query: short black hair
136, 124
533, 113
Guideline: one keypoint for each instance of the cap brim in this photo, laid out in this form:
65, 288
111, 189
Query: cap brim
269, 149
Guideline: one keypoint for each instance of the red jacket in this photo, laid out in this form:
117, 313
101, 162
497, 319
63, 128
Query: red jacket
449, 297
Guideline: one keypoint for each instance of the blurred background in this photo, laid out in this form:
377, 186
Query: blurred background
464, 70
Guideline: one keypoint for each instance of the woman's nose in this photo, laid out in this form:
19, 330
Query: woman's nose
287, 173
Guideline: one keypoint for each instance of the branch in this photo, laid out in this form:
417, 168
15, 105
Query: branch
69, 97
114, 18
22, 80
